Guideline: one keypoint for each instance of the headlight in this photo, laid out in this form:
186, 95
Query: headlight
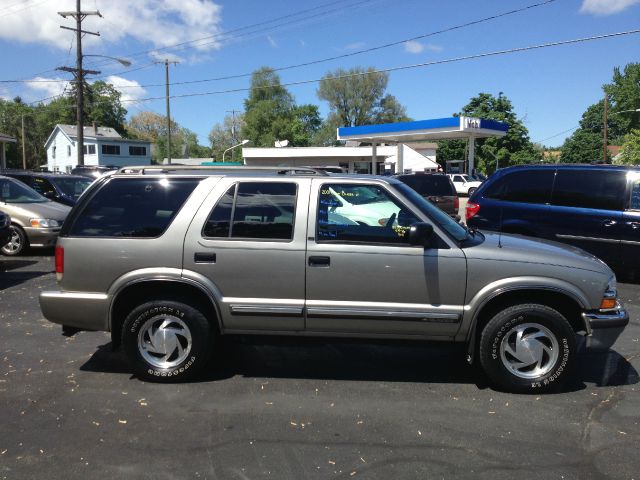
44, 223
5, 221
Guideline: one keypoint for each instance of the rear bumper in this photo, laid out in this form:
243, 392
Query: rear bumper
604, 328
86, 311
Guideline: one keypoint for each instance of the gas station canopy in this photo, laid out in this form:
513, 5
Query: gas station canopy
426, 130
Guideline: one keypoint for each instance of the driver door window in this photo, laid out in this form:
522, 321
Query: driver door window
361, 213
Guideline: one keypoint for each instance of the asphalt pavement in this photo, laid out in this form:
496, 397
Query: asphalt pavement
70, 408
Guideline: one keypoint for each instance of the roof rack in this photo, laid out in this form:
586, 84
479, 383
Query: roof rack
166, 169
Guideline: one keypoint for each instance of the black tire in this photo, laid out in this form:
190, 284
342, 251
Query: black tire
550, 339
183, 348
17, 244
471, 191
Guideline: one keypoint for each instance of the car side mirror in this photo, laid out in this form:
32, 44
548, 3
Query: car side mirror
50, 195
421, 234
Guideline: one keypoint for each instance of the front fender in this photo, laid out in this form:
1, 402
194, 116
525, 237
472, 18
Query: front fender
484, 295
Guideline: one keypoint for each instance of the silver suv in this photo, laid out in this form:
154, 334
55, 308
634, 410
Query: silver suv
171, 259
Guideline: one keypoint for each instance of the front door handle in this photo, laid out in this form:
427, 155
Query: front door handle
319, 261
204, 257
634, 225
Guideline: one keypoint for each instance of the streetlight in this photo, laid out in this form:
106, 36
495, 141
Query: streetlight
243, 142
123, 61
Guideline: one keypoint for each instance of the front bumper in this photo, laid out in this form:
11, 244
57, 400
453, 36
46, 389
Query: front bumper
42, 237
85, 311
604, 328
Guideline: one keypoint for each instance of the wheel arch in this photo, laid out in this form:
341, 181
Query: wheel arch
143, 290
566, 303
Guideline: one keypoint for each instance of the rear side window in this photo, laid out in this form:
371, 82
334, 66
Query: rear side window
428, 185
254, 210
133, 208
596, 189
525, 186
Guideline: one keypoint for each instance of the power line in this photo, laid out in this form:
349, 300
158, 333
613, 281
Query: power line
349, 54
22, 9
418, 65
557, 134
399, 68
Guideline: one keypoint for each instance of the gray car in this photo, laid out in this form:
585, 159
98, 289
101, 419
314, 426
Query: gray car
35, 220
169, 260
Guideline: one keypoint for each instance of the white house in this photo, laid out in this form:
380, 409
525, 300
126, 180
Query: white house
102, 146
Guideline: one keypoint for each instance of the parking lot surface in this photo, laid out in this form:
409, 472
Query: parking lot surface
70, 408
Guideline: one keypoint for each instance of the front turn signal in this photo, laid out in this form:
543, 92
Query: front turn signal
608, 303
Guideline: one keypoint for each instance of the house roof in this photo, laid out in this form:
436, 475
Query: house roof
91, 133
6, 138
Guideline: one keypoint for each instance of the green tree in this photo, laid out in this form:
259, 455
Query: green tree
357, 97
152, 127
271, 113
514, 148
225, 135
630, 152
624, 94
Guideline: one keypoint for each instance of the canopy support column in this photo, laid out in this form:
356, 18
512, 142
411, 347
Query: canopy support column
374, 158
399, 161
472, 155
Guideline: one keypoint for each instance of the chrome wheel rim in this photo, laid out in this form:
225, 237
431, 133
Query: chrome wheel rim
15, 243
164, 341
529, 350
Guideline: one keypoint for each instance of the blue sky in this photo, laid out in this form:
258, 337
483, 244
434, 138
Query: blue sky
550, 88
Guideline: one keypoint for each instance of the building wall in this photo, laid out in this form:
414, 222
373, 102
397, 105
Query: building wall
66, 156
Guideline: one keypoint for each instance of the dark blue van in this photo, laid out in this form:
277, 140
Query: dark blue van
594, 207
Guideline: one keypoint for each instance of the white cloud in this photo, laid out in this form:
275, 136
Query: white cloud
162, 56
606, 7
354, 46
47, 87
272, 42
413, 46
130, 89
157, 22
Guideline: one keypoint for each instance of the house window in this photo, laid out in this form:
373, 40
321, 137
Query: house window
111, 149
68, 168
53, 152
68, 150
141, 151
89, 149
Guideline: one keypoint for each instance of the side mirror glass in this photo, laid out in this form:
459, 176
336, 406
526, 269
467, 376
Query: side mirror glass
421, 234
50, 194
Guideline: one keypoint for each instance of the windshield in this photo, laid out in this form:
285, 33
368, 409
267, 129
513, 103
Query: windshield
447, 223
73, 187
12, 191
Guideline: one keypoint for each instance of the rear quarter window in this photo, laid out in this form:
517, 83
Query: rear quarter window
428, 185
525, 186
132, 208
597, 189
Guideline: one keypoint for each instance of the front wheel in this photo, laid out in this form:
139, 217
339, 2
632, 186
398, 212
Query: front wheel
17, 243
471, 191
167, 341
528, 348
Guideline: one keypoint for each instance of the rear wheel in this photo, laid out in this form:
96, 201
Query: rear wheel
167, 341
527, 348
471, 191
17, 243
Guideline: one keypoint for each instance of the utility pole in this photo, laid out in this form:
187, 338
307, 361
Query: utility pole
24, 152
606, 111
234, 138
166, 81
78, 72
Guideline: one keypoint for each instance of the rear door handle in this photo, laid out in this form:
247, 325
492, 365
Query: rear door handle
634, 225
319, 261
204, 257
608, 223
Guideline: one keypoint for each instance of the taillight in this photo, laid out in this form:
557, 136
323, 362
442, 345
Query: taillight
456, 203
472, 210
59, 262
